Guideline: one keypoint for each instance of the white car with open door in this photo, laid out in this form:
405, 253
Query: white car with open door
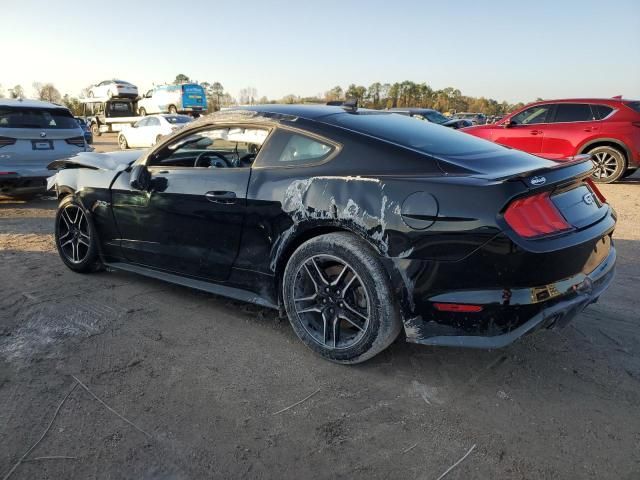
148, 131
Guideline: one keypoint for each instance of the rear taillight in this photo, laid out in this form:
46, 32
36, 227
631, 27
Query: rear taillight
4, 141
635, 124
77, 141
596, 191
7, 173
535, 216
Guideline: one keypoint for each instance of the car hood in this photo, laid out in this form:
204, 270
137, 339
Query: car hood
98, 161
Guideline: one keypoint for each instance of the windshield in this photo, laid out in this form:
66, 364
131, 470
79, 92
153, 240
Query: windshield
436, 117
45, 118
173, 119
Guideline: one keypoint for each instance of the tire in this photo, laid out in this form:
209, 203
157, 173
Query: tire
142, 112
158, 139
172, 109
95, 130
629, 172
122, 142
74, 225
610, 164
90, 95
363, 316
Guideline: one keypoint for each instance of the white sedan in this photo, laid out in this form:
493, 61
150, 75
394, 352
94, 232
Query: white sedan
148, 131
114, 88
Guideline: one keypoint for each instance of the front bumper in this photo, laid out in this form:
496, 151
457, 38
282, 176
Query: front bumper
566, 299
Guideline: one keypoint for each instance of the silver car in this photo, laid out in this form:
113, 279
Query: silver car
32, 135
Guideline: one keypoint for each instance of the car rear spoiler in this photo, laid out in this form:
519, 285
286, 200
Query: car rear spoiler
576, 166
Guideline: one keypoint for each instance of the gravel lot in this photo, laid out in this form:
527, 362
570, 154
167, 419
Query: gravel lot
200, 379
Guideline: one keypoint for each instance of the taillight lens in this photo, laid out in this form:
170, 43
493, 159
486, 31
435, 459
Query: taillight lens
635, 124
7, 173
4, 141
596, 190
535, 216
457, 307
77, 141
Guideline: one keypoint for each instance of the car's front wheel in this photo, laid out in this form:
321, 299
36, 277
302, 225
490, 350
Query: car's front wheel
75, 237
610, 164
142, 111
339, 299
122, 142
172, 109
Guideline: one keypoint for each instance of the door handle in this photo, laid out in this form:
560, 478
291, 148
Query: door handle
219, 196
535, 132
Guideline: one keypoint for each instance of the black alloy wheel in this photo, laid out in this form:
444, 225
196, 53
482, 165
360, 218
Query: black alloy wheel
339, 299
75, 237
331, 301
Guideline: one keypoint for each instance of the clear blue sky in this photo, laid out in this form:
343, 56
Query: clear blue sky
509, 50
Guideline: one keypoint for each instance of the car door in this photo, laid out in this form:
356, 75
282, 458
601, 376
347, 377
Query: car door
151, 130
525, 130
189, 220
135, 133
571, 125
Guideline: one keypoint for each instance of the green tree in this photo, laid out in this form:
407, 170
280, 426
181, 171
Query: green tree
181, 78
73, 104
1, 91
47, 92
356, 93
16, 92
334, 94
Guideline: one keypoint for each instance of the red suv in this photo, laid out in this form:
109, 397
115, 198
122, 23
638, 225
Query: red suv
608, 129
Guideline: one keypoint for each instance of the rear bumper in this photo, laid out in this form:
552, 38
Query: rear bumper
15, 185
567, 298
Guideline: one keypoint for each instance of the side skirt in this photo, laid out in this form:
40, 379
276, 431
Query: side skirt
217, 289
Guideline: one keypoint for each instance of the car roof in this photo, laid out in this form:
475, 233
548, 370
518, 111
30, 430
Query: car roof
411, 110
28, 103
615, 100
309, 112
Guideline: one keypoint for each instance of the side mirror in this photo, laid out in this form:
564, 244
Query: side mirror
140, 178
509, 124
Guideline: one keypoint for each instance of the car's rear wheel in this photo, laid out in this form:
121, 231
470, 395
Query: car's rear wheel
75, 237
158, 139
142, 111
339, 299
122, 142
95, 129
610, 164
172, 109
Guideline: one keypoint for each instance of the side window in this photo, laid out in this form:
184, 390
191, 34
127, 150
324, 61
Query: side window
287, 149
142, 123
153, 122
573, 112
601, 111
228, 147
533, 115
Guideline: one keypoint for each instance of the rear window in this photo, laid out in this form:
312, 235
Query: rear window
455, 147
421, 136
601, 111
44, 118
573, 112
634, 105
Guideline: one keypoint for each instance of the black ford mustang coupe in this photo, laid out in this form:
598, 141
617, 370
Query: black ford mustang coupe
358, 224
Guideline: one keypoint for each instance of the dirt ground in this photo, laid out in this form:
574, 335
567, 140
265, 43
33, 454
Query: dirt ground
200, 380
